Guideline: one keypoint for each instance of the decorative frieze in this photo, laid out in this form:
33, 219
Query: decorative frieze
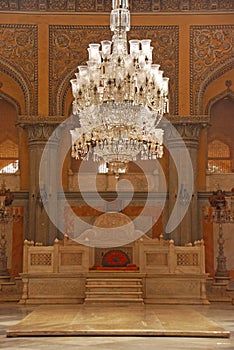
29, 5
68, 48
156, 5
105, 5
170, 5
42, 5
100, 5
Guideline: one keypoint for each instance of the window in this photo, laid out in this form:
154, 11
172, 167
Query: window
9, 150
219, 157
102, 168
220, 137
10, 168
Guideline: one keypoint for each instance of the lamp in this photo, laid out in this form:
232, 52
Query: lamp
120, 97
221, 211
6, 216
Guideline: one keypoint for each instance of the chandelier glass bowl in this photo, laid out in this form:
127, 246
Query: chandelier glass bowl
120, 97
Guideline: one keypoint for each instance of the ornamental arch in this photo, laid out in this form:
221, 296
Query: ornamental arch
9, 139
215, 73
15, 88
220, 134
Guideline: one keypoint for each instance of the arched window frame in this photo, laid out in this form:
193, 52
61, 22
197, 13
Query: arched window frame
219, 163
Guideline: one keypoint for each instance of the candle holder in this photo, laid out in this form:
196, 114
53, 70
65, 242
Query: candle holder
7, 215
221, 211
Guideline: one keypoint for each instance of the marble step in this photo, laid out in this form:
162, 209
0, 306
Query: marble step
114, 283
138, 286
115, 290
114, 293
113, 300
103, 279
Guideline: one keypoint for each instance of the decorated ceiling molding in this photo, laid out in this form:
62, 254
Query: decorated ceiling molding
105, 5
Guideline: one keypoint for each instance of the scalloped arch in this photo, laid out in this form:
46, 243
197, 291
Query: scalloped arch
62, 95
216, 72
12, 72
12, 101
225, 93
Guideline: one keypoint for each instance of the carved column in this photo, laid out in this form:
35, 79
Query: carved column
184, 134
40, 228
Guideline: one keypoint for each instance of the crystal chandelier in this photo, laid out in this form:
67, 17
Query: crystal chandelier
120, 97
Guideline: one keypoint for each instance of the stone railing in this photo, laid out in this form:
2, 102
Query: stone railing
64, 256
174, 274
159, 256
54, 274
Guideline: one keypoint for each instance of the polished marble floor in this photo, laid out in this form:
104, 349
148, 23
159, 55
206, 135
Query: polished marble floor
220, 313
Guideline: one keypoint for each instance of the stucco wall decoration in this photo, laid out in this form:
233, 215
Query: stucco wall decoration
211, 56
68, 49
19, 60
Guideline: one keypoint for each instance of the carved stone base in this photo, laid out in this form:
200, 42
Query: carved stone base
11, 290
175, 289
52, 288
217, 291
230, 291
168, 273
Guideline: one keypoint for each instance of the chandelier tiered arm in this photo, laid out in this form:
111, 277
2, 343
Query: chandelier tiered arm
120, 97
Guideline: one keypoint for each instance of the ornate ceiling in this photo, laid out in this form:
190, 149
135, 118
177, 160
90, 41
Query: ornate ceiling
105, 6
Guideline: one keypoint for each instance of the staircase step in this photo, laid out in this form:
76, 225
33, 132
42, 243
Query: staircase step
114, 286
105, 283
103, 289
114, 293
114, 279
139, 300
106, 289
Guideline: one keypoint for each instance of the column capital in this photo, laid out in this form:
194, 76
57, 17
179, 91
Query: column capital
40, 128
188, 127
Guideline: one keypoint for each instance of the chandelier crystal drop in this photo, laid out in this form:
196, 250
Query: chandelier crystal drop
120, 97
